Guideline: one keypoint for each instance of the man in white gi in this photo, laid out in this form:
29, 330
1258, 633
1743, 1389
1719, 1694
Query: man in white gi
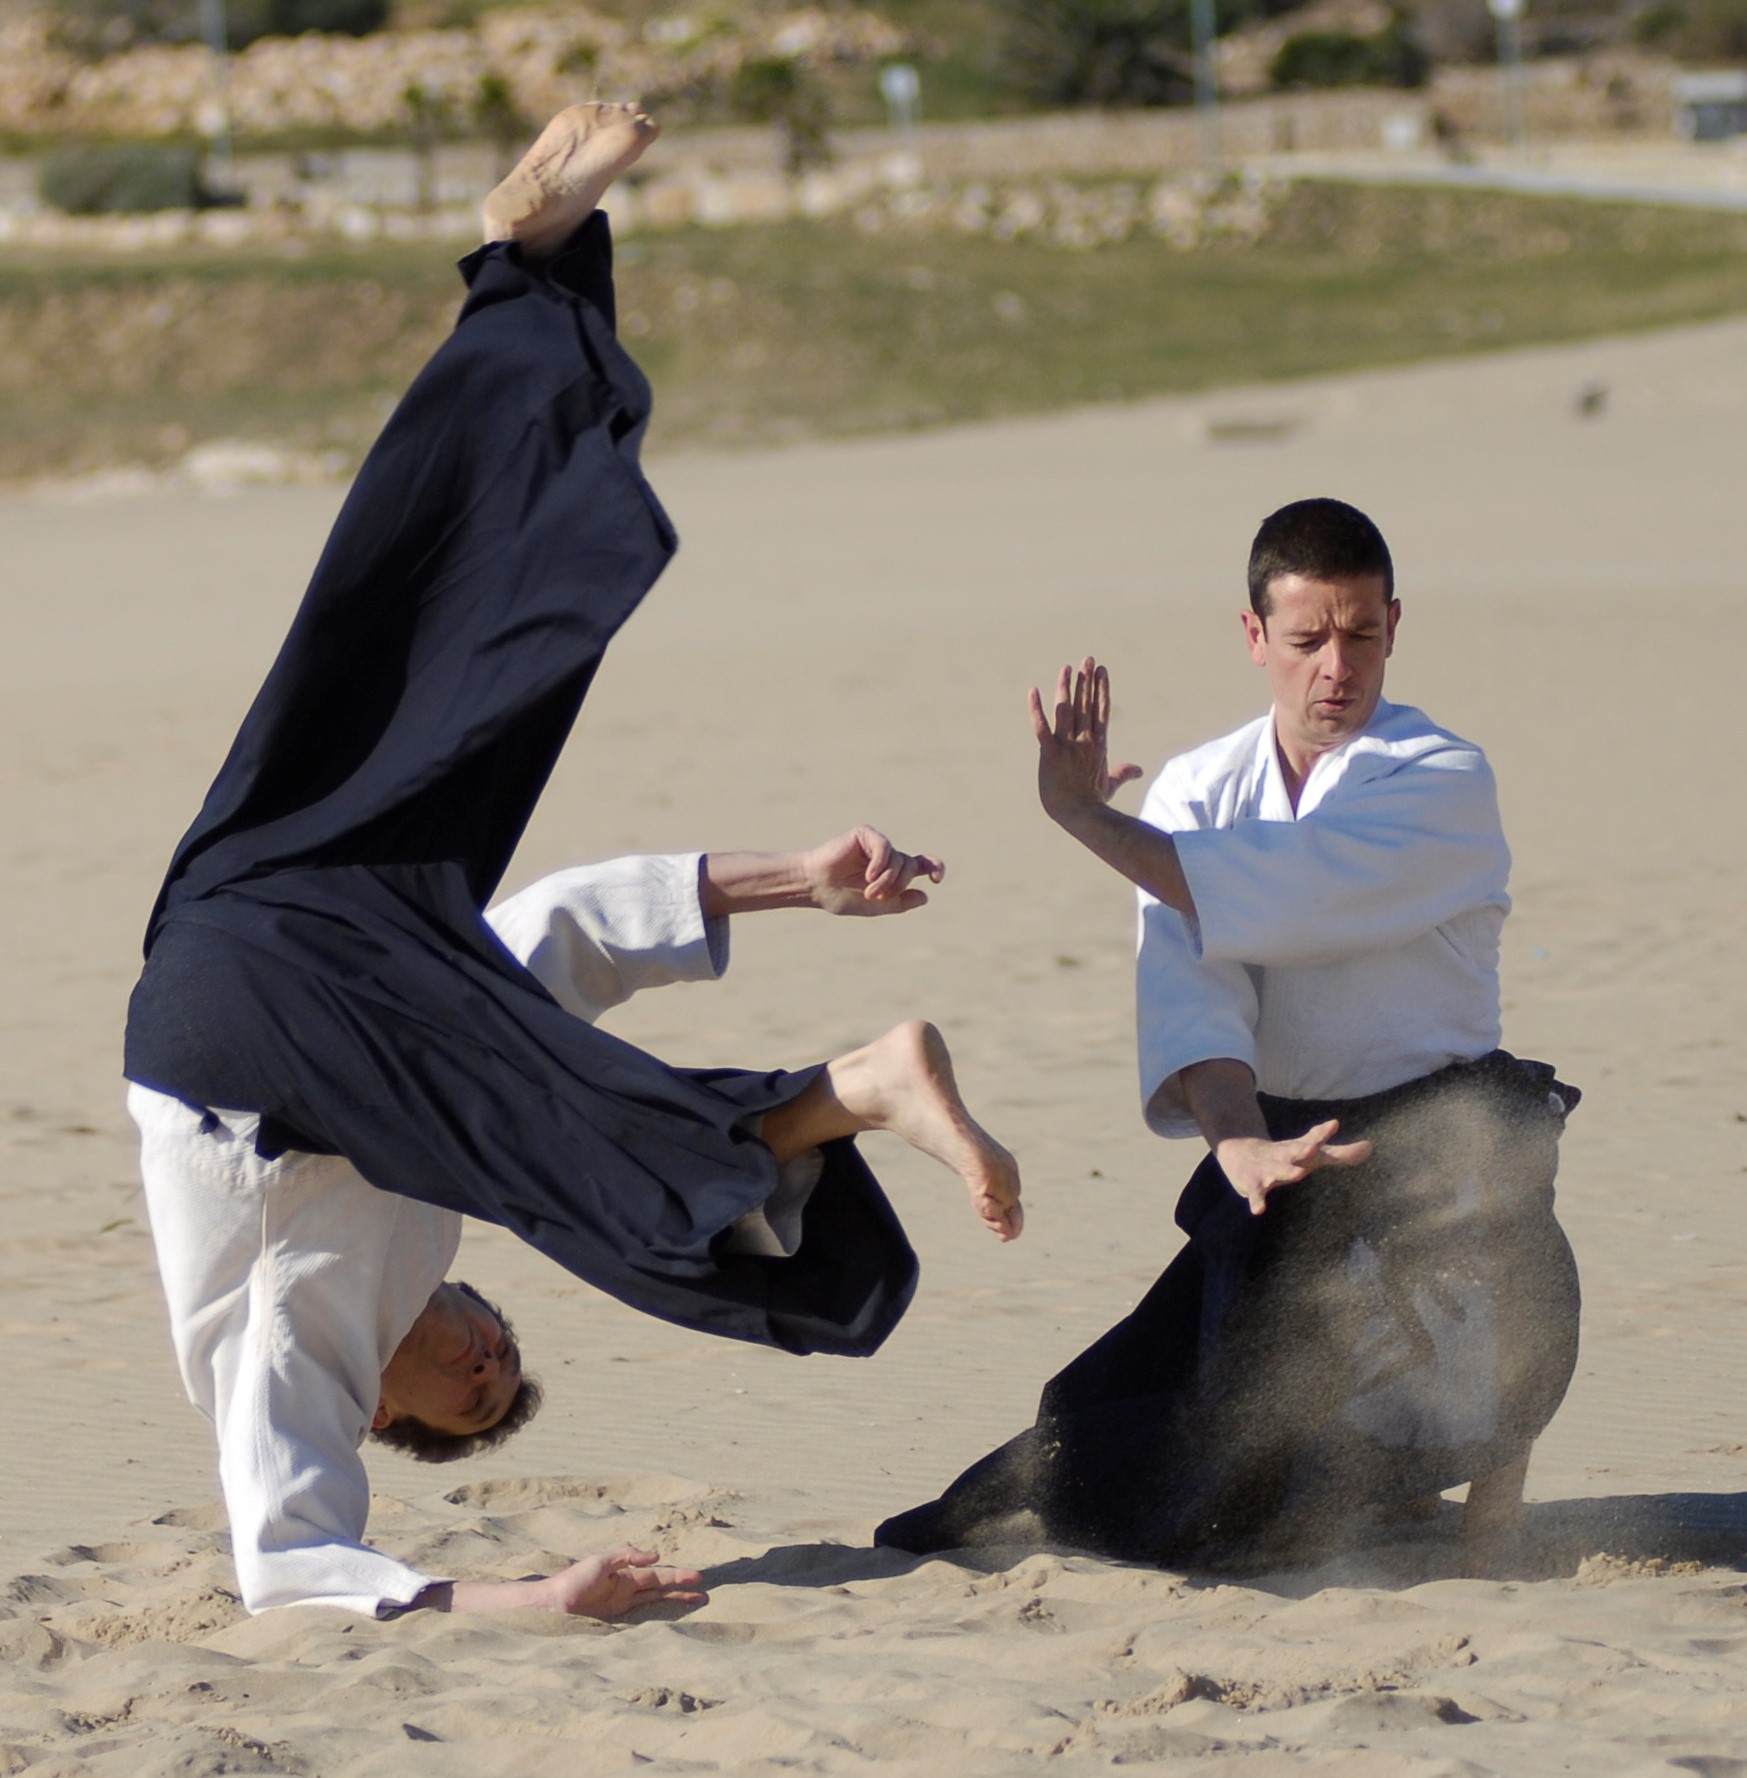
1321, 896
320, 961
307, 1307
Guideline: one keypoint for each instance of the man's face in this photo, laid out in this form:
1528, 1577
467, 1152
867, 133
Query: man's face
457, 1370
1323, 646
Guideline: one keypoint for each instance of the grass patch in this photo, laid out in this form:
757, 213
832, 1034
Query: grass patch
776, 333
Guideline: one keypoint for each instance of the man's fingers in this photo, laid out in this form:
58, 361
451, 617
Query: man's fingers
644, 1570
1125, 775
1064, 704
1347, 1154
663, 1580
1316, 1148
878, 850
1085, 699
1039, 722
1310, 1144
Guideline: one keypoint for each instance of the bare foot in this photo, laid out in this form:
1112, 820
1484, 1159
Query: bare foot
903, 1082
557, 185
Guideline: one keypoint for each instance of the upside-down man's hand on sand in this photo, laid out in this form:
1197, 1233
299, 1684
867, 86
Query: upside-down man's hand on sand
605, 1587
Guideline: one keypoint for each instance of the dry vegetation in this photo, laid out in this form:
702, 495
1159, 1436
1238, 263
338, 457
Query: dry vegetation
796, 330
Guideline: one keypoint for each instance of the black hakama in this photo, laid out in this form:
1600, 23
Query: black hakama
1382, 1333
318, 953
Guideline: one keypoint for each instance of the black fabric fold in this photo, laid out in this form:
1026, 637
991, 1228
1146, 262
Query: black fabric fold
1382, 1333
318, 953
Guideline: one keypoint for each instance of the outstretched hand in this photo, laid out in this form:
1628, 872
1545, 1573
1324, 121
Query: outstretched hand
1073, 754
609, 1586
1256, 1166
861, 872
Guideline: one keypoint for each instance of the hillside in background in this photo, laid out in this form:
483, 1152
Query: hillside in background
762, 334
348, 69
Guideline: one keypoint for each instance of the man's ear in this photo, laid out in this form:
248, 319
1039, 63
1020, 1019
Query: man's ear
381, 1418
1393, 619
1256, 635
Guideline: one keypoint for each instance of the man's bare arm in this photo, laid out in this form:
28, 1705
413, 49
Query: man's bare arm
859, 872
1221, 1095
598, 1586
1075, 784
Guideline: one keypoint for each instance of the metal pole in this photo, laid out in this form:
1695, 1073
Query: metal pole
1509, 14
1512, 28
212, 28
1201, 25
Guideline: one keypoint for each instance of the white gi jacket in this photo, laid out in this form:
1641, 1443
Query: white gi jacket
1337, 951
291, 1282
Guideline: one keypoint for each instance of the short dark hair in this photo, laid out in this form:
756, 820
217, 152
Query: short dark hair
1321, 539
427, 1445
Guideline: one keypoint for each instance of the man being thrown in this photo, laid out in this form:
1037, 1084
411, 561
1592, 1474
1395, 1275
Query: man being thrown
1375, 1302
336, 1054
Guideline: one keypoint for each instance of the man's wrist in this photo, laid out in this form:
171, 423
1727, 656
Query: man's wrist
1081, 819
750, 882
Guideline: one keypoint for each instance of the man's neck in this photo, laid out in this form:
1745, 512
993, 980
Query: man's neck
1295, 768
1294, 777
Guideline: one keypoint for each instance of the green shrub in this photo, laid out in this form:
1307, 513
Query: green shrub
1695, 30
1390, 57
779, 90
1099, 52
249, 19
99, 27
113, 178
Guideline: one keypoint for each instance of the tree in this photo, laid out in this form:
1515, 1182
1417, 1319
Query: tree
1390, 57
1696, 30
101, 27
1099, 52
780, 90
1111, 52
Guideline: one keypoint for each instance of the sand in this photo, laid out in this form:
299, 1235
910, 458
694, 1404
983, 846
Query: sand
848, 635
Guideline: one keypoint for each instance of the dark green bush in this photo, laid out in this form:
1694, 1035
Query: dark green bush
780, 90
1099, 52
1695, 30
99, 27
1110, 52
116, 179
250, 19
1390, 57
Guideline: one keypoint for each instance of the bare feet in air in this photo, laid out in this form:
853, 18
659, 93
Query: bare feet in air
903, 1082
558, 184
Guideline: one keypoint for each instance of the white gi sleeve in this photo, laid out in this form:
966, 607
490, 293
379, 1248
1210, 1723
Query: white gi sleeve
599, 933
1386, 859
294, 1482
281, 1277
1187, 1009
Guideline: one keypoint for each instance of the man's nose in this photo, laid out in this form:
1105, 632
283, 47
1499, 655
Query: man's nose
1336, 664
485, 1365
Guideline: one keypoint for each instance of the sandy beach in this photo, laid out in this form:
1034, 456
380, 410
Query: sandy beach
848, 635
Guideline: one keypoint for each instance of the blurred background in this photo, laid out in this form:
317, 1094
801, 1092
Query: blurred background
217, 217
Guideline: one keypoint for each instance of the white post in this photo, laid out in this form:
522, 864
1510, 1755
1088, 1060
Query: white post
1509, 15
216, 122
1201, 29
